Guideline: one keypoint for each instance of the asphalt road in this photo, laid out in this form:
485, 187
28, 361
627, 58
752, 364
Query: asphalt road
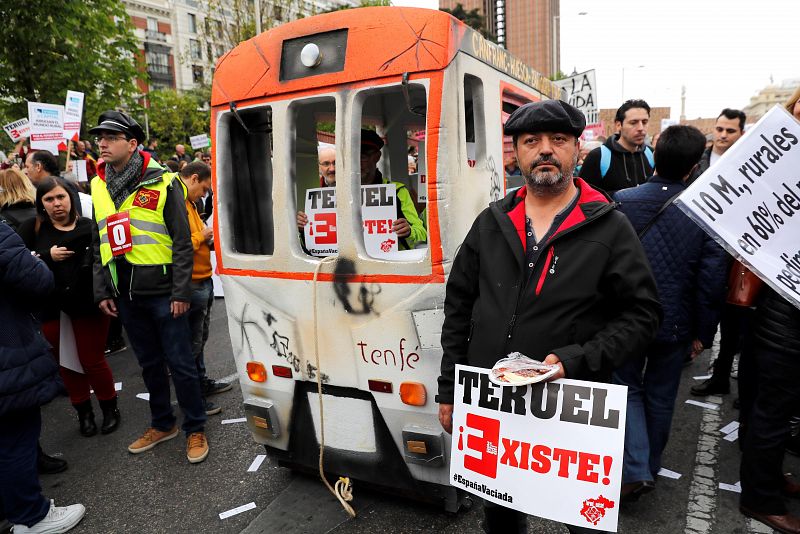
159, 491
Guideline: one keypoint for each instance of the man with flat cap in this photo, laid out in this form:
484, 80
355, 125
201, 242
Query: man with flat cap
143, 259
552, 271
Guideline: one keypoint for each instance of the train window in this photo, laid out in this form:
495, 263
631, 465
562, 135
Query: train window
246, 174
314, 174
393, 228
474, 123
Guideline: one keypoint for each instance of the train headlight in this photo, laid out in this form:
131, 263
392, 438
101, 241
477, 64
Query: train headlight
310, 56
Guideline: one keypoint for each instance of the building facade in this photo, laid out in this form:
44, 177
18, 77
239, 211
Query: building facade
768, 97
181, 40
529, 29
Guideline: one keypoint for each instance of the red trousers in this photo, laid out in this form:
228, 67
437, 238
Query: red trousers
90, 339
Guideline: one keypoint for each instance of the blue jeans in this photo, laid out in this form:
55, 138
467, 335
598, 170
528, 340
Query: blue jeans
21, 497
199, 318
161, 341
651, 401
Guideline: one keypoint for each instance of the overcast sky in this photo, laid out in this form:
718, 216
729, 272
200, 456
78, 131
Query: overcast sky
722, 51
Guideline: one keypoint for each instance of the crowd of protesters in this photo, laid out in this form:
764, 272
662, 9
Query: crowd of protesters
57, 271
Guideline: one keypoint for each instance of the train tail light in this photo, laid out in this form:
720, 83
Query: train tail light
256, 371
413, 393
282, 371
381, 386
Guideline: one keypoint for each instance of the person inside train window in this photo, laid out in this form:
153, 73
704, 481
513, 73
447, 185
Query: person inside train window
408, 226
327, 177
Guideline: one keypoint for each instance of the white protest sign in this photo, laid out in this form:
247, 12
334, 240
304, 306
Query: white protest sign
199, 141
422, 187
378, 211
552, 449
73, 113
47, 126
18, 130
80, 170
582, 93
749, 201
666, 123
320, 232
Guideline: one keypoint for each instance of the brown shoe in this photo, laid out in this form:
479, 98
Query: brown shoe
196, 447
790, 487
151, 438
786, 524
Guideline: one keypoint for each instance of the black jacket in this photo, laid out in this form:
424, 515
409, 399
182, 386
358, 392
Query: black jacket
142, 280
627, 169
777, 324
16, 214
689, 266
702, 166
28, 371
590, 298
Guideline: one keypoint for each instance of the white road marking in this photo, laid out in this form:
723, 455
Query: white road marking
704, 377
707, 405
230, 378
757, 527
256, 463
143, 396
237, 510
702, 505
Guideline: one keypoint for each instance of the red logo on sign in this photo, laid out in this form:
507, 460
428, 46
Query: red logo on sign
485, 444
386, 246
323, 228
595, 509
146, 198
119, 233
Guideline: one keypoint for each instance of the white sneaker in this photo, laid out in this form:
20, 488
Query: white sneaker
58, 519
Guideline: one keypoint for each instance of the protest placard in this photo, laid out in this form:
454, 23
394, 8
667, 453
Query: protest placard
422, 187
80, 170
320, 232
378, 211
73, 113
593, 131
199, 141
47, 126
666, 123
749, 198
18, 130
582, 93
552, 449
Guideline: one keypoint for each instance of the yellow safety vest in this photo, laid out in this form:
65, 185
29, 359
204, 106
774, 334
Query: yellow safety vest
152, 244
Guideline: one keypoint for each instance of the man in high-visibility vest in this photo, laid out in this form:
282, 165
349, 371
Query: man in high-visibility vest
143, 272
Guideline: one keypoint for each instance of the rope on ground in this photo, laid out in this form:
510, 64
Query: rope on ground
343, 490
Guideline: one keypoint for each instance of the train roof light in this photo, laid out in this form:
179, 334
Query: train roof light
310, 55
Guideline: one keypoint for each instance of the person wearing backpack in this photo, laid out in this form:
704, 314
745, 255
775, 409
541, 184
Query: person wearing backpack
624, 160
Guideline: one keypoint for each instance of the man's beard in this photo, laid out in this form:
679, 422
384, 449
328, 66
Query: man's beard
547, 183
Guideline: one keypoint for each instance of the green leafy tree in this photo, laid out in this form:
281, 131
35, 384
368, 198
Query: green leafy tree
50, 46
472, 18
364, 3
173, 116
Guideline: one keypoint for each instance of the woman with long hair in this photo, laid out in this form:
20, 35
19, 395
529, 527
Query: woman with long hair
17, 197
64, 241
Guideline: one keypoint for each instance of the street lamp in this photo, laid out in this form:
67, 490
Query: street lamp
622, 90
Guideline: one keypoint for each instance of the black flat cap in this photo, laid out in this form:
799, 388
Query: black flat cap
546, 116
117, 121
370, 139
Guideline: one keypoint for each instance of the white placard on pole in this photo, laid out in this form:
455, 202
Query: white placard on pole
582, 93
67, 348
47, 126
73, 113
552, 449
199, 141
749, 201
18, 130
80, 170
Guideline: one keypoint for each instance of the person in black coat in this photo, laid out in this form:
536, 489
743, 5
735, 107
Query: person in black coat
28, 379
17, 198
690, 272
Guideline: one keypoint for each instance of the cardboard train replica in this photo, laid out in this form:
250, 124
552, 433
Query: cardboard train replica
361, 324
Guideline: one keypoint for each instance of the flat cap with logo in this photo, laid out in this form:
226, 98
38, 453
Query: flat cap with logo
117, 121
546, 116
